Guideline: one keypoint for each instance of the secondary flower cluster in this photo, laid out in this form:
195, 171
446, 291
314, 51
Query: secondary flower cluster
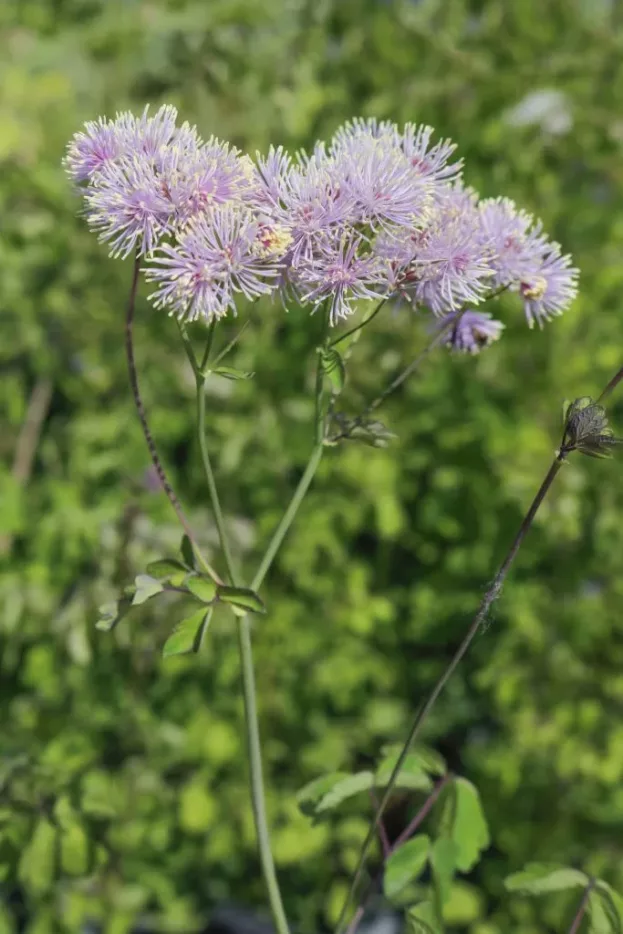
379, 212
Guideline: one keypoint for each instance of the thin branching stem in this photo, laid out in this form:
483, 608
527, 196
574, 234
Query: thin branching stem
358, 327
209, 475
208, 346
142, 416
614, 382
230, 346
424, 811
579, 915
396, 383
310, 470
491, 594
288, 517
387, 851
383, 838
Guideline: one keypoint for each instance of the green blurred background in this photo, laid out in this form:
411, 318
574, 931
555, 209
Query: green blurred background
127, 773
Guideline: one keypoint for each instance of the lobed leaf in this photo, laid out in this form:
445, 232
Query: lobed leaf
202, 588
422, 919
165, 568
243, 598
146, 588
463, 821
405, 864
188, 634
541, 878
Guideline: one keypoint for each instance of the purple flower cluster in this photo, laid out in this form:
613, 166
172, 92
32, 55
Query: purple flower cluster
378, 212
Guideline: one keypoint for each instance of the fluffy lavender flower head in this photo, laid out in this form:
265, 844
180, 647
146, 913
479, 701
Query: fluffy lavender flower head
271, 177
98, 145
387, 192
430, 162
550, 288
211, 174
450, 261
525, 261
305, 197
219, 254
341, 273
146, 177
103, 142
413, 140
472, 330
128, 207
365, 128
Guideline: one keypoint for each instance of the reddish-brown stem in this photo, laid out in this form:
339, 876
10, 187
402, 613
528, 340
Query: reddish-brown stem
614, 382
406, 834
579, 915
384, 839
142, 415
428, 805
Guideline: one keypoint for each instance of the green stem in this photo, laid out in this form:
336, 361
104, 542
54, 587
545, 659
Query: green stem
244, 629
402, 377
226, 349
257, 780
248, 677
409, 370
308, 475
614, 382
288, 517
208, 347
209, 474
358, 327
258, 800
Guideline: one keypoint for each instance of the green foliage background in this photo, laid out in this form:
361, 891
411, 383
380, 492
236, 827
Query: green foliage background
130, 796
